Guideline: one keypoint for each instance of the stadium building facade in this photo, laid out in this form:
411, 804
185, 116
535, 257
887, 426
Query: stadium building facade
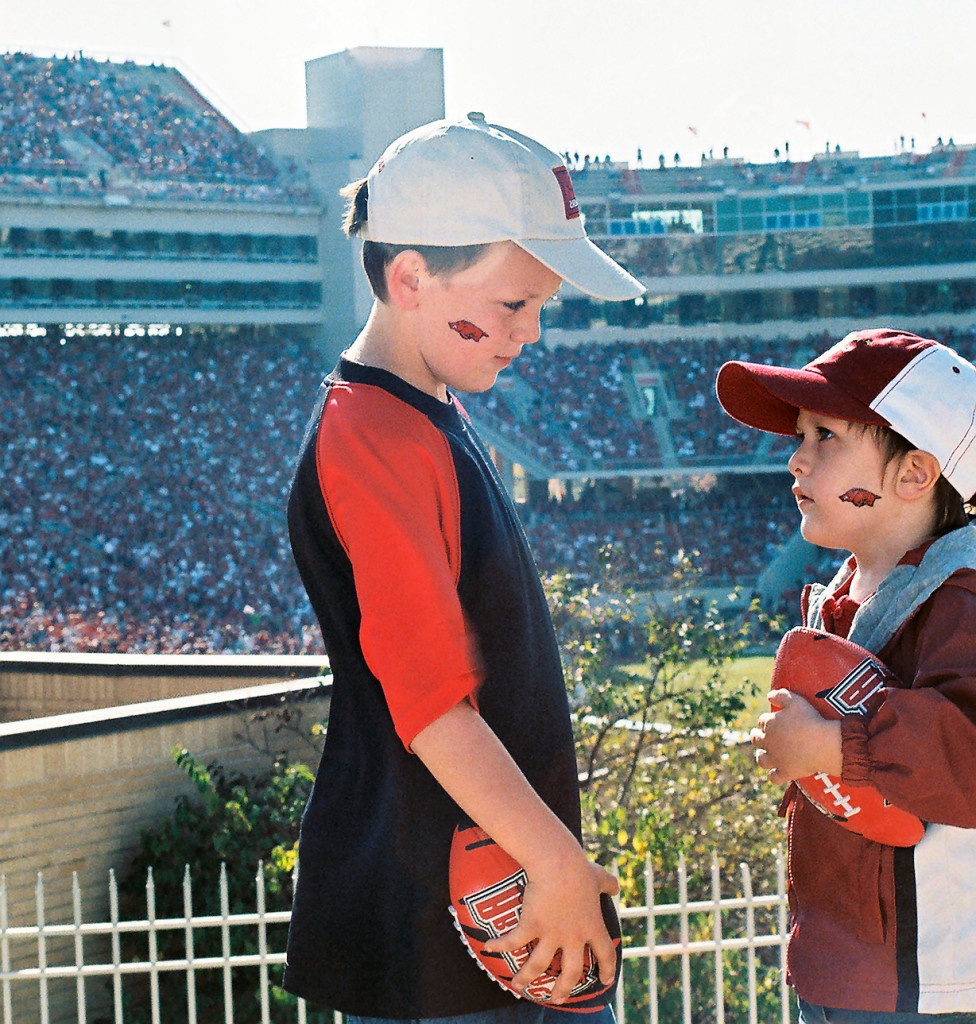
787, 248
125, 197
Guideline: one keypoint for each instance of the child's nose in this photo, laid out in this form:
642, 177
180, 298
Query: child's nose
527, 328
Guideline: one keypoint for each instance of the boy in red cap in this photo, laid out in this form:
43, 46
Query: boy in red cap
448, 695
885, 468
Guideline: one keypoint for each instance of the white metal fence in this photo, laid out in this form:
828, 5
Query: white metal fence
720, 959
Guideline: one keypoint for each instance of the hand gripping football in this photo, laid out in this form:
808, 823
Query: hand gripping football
840, 678
486, 887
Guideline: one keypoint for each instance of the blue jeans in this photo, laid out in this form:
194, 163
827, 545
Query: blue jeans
825, 1015
522, 1012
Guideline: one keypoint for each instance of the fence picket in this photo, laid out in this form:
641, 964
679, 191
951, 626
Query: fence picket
651, 932
225, 945
41, 949
750, 948
79, 948
717, 933
685, 941
191, 977
153, 947
113, 909
262, 944
783, 920
8, 1012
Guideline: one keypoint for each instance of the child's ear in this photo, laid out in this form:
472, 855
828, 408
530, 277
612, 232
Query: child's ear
918, 473
403, 276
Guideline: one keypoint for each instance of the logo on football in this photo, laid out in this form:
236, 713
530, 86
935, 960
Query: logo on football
860, 692
805, 659
487, 887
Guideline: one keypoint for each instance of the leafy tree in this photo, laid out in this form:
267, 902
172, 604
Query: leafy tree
665, 768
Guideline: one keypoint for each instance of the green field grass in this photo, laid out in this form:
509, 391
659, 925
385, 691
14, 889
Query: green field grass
749, 675
751, 670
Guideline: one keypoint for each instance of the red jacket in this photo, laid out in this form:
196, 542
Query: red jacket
887, 929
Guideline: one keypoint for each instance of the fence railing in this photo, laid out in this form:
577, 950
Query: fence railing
85, 972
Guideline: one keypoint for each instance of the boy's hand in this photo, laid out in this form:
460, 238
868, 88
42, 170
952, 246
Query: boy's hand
561, 913
794, 741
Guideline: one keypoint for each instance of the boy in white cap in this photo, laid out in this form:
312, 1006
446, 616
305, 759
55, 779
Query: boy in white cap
448, 696
885, 468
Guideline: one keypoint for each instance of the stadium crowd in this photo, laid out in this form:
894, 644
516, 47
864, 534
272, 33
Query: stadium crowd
145, 480
574, 406
77, 126
730, 528
144, 484
582, 407
832, 166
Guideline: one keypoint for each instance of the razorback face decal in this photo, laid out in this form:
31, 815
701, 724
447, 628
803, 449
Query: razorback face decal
467, 330
860, 496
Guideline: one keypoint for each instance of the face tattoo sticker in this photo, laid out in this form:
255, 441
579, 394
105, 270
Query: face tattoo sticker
860, 496
467, 330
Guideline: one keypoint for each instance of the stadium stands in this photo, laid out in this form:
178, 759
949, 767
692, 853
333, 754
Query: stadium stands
579, 409
145, 482
124, 195
78, 126
730, 530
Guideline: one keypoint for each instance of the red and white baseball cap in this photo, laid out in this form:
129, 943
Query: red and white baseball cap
468, 182
921, 389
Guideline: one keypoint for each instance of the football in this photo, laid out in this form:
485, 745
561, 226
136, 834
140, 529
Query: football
840, 678
487, 887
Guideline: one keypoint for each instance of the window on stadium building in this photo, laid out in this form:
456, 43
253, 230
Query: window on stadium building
21, 241
792, 220
151, 244
83, 293
962, 296
942, 211
924, 205
844, 208
657, 222
178, 294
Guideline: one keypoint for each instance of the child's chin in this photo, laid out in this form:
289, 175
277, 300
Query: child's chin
810, 533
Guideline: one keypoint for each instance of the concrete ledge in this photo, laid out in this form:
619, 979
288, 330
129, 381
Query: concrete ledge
35, 732
163, 664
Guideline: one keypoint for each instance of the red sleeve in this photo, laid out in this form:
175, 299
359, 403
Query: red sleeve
919, 750
387, 476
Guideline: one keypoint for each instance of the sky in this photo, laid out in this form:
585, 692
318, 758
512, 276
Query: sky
603, 77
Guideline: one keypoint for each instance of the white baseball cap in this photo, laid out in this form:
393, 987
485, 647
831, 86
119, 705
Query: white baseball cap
920, 388
468, 182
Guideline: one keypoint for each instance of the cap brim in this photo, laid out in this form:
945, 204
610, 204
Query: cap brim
770, 397
585, 266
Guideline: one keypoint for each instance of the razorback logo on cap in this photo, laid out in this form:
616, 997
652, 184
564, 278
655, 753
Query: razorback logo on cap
570, 202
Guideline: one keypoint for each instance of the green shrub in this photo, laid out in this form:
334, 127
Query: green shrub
232, 824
